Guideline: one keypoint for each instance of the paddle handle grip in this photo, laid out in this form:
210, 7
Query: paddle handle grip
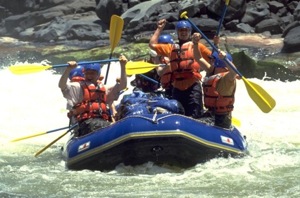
183, 15
88, 62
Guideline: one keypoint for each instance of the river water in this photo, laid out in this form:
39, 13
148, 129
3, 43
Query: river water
33, 103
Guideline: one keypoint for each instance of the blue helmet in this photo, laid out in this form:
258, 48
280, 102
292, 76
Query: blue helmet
76, 72
218, 61
166, 38
93, 66
183, 24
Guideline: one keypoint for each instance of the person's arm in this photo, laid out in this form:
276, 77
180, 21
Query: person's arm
226, 85
113, 91
231, 74
163, 69
123, 79
216, 41
64, 78
160, 27
197, 53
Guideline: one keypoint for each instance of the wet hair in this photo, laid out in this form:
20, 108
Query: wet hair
147, 82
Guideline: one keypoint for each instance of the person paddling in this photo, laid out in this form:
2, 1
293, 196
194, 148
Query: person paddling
219, 85
90, 97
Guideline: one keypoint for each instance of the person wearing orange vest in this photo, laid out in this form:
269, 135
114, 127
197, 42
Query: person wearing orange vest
218, 86
90, 97
186, 77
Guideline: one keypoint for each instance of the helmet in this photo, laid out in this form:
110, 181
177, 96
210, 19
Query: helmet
183, 24
218, 61
76, 72
166, 38
93, 66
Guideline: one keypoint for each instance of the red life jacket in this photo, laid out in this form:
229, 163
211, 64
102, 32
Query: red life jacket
185, 70
93, 104
212, 100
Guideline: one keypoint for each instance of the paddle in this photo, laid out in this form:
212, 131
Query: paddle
51, 143
115, 32
148, 78
262, 99
43, 149
32, 68
38, 134
235, 121
222, 18
140, 67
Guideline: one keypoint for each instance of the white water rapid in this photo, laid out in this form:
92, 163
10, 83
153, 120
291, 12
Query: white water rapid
33, 103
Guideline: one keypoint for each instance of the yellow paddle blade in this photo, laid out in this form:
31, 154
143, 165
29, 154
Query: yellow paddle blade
227, 2
262, 99
115, 31
139, 67
28, 136
43, 149
236, 122
28, 68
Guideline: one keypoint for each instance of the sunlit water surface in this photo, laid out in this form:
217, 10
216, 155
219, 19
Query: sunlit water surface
33, 103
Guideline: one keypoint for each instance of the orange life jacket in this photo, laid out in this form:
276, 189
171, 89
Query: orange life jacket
93, 104
212, 100
185, 70
166, 78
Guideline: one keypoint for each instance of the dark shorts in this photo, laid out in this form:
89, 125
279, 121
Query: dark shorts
223, 121
191, 99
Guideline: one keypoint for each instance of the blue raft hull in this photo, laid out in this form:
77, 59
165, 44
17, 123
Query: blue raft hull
172, 139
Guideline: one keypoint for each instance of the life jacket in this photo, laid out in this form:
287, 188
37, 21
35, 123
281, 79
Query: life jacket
212, 100
93, 104
166, 78
185, 70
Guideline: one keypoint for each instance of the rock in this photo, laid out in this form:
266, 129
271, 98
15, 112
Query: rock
271, 25
85, 23
38, 21
292, 41
256, 11
106, 8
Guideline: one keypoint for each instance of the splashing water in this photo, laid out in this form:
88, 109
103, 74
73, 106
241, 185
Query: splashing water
33, 103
